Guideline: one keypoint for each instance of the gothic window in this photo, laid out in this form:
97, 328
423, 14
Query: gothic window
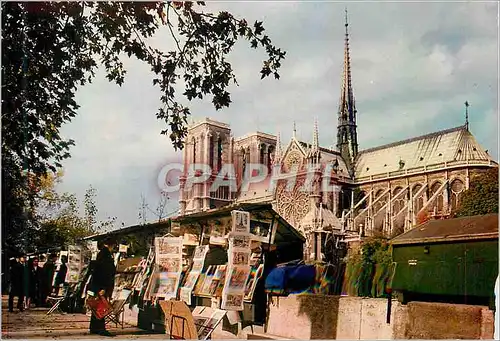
262, 154
219, 154
457, 187
398, 202
194, 150
418, 202
270, 151
211, 162
439, 200
292, 205
244, 161
380, 203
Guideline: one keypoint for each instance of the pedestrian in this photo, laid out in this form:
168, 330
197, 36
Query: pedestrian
41, 261
102, 283
48, 276
17, 283
35, 281
61, 274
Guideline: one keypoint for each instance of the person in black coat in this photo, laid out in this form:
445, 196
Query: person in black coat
35, 281
49, 269
102, 283
61, 274
17, 283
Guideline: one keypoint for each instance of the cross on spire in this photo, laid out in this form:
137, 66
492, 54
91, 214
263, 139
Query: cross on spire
466, 115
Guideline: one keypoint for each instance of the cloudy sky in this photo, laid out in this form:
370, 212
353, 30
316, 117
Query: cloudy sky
413, 66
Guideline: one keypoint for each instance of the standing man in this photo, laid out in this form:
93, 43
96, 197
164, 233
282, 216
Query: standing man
61, 275
49, 269
17, 283
35, 280
103, 282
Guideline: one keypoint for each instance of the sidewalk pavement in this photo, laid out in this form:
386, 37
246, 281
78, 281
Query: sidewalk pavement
34, 323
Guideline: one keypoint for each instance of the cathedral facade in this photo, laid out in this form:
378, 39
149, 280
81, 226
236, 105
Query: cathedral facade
383, 190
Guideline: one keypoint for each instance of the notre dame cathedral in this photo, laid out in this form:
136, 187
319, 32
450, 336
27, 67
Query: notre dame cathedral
382, 190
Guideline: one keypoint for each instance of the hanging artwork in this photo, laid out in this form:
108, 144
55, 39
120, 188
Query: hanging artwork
93, 248
142, 278
75, 263
237, 278
186, 291
240, 241
218, 233
238, 269
168, 262
241, 221
232, 301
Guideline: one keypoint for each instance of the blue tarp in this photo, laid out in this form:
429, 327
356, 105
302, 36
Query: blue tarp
290, 279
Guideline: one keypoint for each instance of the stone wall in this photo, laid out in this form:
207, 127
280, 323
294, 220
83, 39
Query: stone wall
333, 317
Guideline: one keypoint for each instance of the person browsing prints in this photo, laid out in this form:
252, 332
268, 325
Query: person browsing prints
102, 283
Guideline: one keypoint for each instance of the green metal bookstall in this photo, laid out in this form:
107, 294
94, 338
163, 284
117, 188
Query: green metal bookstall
453, 260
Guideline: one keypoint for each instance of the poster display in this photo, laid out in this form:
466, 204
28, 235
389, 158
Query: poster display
142, 278
168, 259
186, 291
93, 248
217, 234
75, 263
238, 269
241, 221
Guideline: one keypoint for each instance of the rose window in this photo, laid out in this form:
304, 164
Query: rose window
293, 205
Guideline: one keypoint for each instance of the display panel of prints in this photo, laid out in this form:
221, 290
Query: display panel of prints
74, 263
240, 241
168, 266
234, 287
199, 255
241, 221
239, 258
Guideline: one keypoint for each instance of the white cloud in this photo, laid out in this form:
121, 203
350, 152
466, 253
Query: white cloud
413, 67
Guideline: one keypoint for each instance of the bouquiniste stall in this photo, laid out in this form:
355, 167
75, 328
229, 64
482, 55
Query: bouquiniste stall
216, 261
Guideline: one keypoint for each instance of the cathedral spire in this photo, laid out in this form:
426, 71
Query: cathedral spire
315, 144
314, 153
294, 130
347, 140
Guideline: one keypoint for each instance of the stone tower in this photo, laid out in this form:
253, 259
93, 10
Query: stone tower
208, 143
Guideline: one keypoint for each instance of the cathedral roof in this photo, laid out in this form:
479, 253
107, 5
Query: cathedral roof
320, 219
454, 146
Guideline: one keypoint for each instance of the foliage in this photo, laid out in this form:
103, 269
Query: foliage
368, 271
58, 215
50, 49
137, 246
482, 195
